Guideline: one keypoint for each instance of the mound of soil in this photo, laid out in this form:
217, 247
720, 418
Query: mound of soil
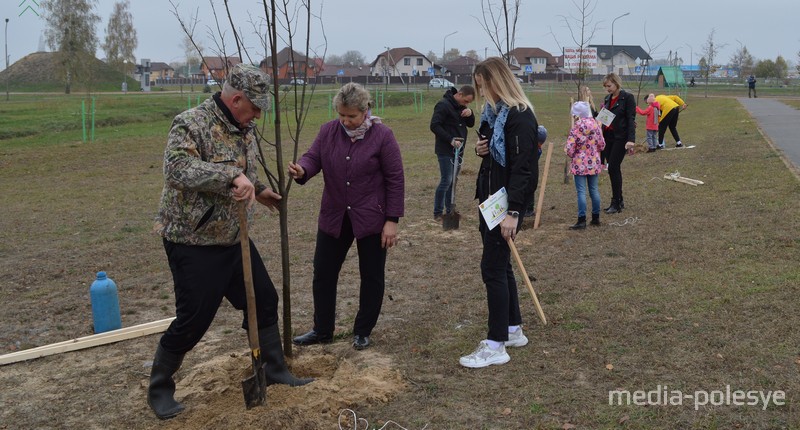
42, 71
344, 378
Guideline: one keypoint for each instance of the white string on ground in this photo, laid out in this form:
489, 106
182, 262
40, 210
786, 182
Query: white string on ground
357, 421
631, 220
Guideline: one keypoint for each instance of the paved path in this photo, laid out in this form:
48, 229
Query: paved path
779, 122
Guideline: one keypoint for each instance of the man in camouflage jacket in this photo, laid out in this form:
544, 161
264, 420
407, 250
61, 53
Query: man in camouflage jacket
209, 168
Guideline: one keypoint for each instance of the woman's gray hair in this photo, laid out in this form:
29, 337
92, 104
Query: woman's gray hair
353, 95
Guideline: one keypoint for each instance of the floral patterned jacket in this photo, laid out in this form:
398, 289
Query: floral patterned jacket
583, 146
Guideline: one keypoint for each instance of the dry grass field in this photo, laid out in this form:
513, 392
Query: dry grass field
691, 289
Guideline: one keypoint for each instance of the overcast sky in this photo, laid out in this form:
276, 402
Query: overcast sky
767, 28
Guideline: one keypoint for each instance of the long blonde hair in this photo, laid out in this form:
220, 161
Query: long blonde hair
497, 79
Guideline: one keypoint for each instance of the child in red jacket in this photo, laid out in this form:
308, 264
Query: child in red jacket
652, 112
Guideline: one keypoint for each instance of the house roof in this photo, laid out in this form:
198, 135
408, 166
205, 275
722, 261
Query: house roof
394, 55
462, 65
157, 67
284, 56
633, 51
523, 55
217, 63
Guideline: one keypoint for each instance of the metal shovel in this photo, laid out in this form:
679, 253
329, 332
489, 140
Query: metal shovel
254, 387
450, 220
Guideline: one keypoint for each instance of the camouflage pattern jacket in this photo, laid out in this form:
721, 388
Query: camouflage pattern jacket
205, 152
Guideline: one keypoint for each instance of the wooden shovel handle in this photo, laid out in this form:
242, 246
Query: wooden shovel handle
252, 316
527, 280
544, 184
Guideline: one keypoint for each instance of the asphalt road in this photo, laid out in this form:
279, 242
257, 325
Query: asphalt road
779, 122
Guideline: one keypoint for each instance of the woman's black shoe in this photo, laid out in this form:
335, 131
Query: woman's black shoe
580, 225
360, 342
595, 220
312, 338
614, 208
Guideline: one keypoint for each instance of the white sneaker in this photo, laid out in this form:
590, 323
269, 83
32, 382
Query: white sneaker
485, 356
517, 339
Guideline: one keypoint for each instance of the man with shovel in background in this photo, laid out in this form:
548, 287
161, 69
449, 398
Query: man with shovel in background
449, 123
209, 168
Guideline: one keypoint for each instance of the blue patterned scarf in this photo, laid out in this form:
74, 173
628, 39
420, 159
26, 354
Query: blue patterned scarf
497, 143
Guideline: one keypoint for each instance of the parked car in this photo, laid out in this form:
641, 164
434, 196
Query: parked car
211, 82
297, 82
520, 80
440, 83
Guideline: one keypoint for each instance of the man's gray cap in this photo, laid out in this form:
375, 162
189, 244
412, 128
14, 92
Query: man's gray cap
253, 82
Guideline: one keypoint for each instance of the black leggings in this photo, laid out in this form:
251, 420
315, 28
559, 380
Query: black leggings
670, 120
614, 153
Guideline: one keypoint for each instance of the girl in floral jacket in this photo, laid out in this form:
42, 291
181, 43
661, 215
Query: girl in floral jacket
584, 144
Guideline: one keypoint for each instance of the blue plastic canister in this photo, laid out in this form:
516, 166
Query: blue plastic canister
105, 304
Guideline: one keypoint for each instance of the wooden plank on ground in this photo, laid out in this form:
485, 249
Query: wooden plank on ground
87, 341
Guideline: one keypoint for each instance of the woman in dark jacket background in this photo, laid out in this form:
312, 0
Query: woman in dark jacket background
619, 134
508, 140
449, 123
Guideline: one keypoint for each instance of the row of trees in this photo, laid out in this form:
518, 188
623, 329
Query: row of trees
70, 32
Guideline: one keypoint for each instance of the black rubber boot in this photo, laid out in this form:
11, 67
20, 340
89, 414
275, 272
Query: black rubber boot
613, 203
160, 394
269, 339
595, 219
580, 225
614, 208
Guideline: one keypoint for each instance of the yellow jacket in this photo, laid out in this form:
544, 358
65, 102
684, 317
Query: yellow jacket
668, 103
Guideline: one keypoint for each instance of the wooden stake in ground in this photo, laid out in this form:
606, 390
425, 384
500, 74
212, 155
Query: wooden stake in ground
567, 160
524, 275
544, 184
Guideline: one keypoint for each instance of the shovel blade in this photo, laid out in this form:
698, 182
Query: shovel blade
255, 389
450, 221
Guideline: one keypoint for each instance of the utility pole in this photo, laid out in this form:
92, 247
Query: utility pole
7, 73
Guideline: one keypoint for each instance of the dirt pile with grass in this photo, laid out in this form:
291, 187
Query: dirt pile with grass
41, 71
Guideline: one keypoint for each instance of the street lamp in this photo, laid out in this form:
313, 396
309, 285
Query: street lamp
125, 76
691, 55
7, 74
612, 38
445, 41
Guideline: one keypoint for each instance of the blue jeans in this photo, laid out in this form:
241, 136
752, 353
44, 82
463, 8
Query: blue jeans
594, 193
443, 199
652, 139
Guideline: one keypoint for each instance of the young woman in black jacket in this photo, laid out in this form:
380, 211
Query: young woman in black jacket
508, 139
619, 134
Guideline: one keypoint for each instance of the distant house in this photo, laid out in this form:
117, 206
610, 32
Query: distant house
400, 62
291, 64
161, 71
460, 66
343, 71
531, 60
626, 58
217, 67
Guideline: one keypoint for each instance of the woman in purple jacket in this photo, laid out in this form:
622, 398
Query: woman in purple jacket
362, 200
